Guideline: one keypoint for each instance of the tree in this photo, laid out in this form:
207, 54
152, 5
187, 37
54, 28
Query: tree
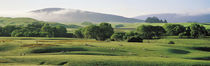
1, 31
17, 33
118, 36
7, 30
134, 39
102, 32
174, 29
150, 32
165, 21
60, 31
106, 31
78, 33
197, 30
130, 34
48, 31
155, 20
91, 31
158, 31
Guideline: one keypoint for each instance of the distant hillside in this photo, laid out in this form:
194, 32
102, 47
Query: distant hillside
25, 21
16, 21
71, 15
202, 18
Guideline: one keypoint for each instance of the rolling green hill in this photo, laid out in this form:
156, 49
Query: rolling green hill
88, 52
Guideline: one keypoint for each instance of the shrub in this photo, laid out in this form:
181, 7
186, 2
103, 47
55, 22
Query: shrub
171, 42
118, 36
150, 32
134, 39
174, 29
197, 31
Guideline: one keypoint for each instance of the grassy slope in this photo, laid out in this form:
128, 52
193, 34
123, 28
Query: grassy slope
68, 51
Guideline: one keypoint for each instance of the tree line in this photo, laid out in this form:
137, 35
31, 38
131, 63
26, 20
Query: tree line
35, 29
105, 32
155, 20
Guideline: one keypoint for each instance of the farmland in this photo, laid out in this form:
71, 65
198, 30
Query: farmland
24, 51
88, 52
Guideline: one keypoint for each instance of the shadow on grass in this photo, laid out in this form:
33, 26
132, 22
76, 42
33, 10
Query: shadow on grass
178, 51
207, 49
51, 50
63, 63
94, 54
202, 58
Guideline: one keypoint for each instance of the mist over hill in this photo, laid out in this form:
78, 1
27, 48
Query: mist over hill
72, 15
173, 17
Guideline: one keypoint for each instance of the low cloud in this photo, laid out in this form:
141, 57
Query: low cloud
196, 12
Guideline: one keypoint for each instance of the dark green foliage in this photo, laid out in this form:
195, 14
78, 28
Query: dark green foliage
171, 42
60, 31
118, 26
70, 35
48, 31
174, 29
197, 31
101, 32
91, 31
118, 36
37, 29
208, 30
78, 33
150, 32
194, 31
134, 39
7, 30
106, 31
1, 31
154, 20
130, 34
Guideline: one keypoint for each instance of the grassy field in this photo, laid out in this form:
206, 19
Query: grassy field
27, 51
24, 51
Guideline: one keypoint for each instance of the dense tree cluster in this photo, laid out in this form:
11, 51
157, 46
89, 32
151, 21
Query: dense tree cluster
35, 29
150, 32
104, 31
174, 29
191, 31
118, 36
155, 32
155, 20
101, 32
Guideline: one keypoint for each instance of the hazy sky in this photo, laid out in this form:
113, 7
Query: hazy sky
127, 8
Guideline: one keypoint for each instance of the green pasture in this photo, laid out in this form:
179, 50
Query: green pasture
24, 51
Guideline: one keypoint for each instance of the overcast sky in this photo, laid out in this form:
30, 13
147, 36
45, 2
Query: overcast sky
127, 8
